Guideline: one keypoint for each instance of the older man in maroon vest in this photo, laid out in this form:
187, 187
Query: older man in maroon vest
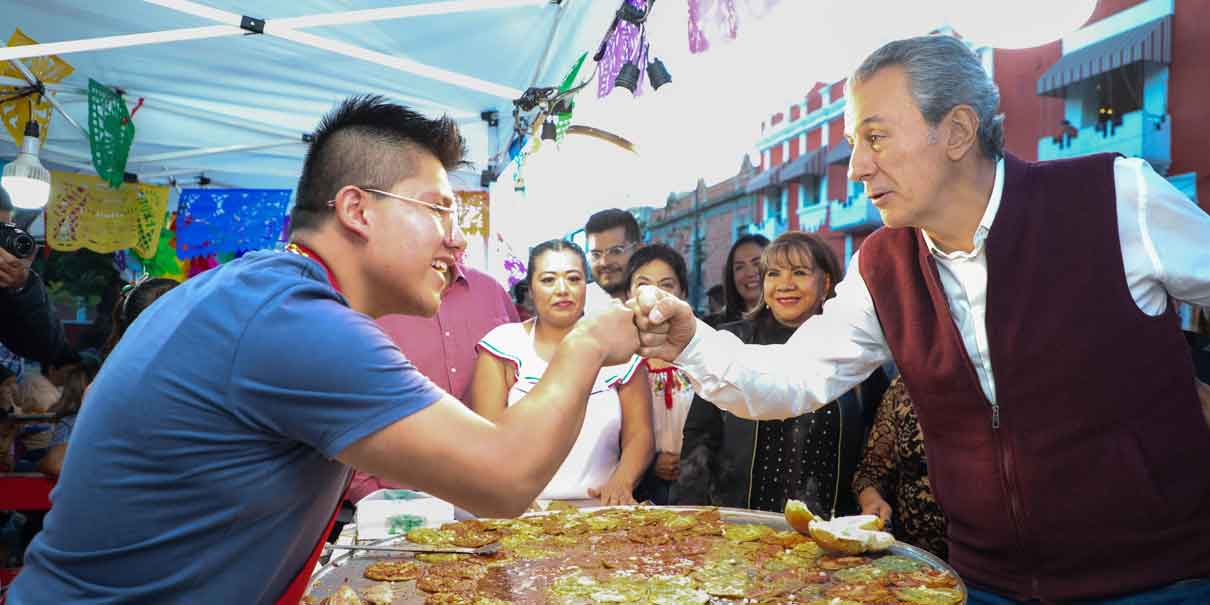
1026, 305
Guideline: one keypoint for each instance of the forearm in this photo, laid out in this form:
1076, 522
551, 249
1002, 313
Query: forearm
771, 382
637, 451
52, 462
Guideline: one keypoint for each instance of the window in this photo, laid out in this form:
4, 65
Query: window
1112, 95
775, 204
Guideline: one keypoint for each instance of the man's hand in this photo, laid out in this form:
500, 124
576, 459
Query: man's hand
666, 323
871, 503
615, 491
667, 466
612, 329
13, 271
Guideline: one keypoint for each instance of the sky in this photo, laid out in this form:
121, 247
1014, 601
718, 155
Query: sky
702, 124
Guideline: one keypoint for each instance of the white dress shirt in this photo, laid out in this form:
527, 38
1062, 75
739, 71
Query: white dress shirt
1165, 241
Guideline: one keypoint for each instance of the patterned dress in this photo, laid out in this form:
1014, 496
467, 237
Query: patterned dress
895, 465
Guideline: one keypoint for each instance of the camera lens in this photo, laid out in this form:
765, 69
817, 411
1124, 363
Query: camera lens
16, 241
23, 246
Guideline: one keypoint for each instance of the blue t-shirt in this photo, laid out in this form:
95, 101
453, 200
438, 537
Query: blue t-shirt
202, 468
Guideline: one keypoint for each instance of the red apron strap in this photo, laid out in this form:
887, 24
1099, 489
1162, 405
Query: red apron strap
298, 586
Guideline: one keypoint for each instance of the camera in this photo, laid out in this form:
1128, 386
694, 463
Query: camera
16, 241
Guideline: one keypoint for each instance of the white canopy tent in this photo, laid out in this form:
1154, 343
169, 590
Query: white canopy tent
234, 105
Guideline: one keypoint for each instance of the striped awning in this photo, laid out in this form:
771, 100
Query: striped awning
1151, 41
764, 180
840, 152
810, 163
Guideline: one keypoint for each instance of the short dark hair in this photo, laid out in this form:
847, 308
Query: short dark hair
6, 201
715, 293
520, 289
610, 218
654, 252
733, 309
553, 245
366, 141
66, 356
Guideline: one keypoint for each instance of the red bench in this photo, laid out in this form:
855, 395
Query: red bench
22, 491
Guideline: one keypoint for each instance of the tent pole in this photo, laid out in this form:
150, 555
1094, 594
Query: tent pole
400, 12
550, 42
396, 62
29, 76
350, 50
75, 46
194, 153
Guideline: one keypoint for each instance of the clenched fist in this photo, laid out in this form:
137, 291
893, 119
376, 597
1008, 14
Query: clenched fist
666, 323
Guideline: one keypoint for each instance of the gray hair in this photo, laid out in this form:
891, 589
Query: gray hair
943, 73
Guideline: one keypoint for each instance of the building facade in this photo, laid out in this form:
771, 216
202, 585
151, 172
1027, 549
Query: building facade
701, 225
1132, 81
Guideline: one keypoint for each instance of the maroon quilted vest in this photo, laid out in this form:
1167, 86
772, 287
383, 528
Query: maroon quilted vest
1096, 480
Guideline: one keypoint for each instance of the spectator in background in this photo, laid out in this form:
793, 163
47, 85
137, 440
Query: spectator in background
671, 392
715, 305
614, 446
442, 347
37, 394
35, 391
612, 235
731, 461
75, 382
523, 300
30, 327
741, 277
892, 480
74, 379
135, 298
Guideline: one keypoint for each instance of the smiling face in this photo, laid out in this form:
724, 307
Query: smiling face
558, 287
793, 286
745, 268
895, 152
409, 254
610, 251
659, 274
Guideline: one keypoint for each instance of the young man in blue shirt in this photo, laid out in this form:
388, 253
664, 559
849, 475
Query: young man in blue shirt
219, 435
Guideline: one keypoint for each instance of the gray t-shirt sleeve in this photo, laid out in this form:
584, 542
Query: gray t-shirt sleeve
313, 370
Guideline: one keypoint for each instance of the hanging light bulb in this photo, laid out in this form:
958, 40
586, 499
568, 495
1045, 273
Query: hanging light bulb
25, 179
658, 74
628, 77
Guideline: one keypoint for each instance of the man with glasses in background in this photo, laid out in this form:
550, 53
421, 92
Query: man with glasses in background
613, 236
219, 435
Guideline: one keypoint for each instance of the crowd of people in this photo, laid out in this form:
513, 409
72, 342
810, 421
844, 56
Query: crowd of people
235, 416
